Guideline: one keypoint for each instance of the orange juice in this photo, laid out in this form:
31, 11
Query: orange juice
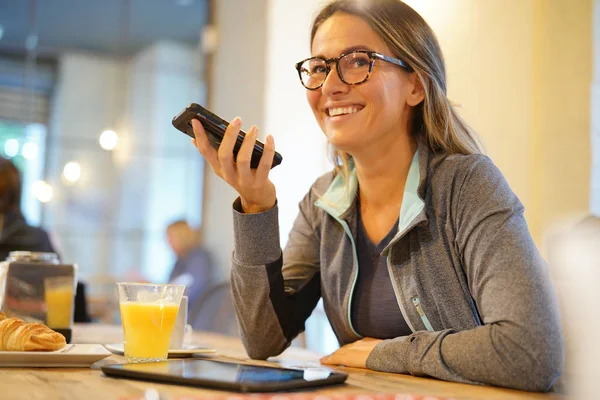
147, 329
60, 306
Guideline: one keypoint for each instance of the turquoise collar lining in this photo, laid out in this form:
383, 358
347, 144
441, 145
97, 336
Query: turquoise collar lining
412, 204
338, 200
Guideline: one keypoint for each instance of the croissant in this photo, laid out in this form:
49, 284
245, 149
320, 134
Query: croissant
17, 335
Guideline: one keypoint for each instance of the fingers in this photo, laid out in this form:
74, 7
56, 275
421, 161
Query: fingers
238, 173
244, 156
262, 172
204, 147
201, 141
225, 151
328, 360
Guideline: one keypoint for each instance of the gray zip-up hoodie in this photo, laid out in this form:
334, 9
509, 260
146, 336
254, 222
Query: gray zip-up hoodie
468, 278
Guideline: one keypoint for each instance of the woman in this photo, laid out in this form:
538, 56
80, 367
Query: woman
15, 233
415, 241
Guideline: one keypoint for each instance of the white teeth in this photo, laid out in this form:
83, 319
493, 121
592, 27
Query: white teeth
342, 110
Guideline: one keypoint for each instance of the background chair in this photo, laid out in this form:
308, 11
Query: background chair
214, 312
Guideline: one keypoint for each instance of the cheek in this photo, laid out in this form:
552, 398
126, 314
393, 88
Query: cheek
385, 90
313, 97
388, 98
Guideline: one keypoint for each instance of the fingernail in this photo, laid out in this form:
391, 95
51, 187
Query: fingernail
237, 121
270, 139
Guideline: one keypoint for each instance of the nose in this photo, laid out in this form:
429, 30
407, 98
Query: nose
333, 83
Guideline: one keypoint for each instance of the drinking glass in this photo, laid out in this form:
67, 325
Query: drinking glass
148, 313
59, 294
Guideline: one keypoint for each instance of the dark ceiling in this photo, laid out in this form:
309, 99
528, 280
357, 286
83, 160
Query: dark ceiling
109, 26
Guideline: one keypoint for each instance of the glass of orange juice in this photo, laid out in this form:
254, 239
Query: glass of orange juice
59, 294
148, 313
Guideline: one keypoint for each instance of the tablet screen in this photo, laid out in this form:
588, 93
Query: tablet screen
226, 375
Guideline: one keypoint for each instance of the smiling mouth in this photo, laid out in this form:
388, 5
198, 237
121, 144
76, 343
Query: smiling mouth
338, 111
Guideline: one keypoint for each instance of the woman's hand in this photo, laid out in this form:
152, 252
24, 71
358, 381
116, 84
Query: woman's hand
256, 191
353, 354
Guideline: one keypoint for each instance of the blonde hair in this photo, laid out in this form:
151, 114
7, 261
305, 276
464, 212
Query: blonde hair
412, 40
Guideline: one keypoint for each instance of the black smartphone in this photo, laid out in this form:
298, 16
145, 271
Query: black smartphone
215, 130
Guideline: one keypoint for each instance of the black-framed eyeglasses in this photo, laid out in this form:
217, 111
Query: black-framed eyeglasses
353, 68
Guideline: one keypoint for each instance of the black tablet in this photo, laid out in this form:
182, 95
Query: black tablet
226, 375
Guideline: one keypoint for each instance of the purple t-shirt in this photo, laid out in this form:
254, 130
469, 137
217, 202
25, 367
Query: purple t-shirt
375, 310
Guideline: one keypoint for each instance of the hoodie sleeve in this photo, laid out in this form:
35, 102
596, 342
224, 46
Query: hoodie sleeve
520, 343
274, 293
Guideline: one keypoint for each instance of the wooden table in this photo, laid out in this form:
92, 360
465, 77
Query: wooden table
91, 384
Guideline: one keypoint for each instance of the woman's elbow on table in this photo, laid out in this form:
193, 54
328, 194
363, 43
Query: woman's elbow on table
262, 352
261, 347
542, 376
537, 373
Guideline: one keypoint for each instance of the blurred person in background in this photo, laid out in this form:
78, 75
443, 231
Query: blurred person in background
17, 235
193, 267
415, 241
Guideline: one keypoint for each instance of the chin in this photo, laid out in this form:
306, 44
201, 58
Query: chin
342, 140
344, 146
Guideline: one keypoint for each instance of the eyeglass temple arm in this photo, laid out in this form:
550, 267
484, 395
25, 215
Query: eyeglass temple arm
392, 60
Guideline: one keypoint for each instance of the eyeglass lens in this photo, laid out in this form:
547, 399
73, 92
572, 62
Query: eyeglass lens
353, 68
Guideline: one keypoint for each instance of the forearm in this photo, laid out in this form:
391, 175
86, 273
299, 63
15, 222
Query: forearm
269, 316
495, 354
519, 346
256, 248
260, 327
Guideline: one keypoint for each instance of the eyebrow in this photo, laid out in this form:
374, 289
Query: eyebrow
349, 50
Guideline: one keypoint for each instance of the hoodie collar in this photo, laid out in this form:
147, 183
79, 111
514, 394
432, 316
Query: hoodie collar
338, 199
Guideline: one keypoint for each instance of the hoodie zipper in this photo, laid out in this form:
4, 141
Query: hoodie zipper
398, 297
417, 303
355, 257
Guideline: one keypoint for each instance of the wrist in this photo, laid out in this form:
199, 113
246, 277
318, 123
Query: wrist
254, 208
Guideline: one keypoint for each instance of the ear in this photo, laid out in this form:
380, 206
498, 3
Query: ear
417, 93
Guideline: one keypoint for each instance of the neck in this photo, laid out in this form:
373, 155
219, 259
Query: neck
382, 174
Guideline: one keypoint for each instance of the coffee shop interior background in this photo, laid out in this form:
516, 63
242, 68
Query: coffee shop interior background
88, 90
87, 93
